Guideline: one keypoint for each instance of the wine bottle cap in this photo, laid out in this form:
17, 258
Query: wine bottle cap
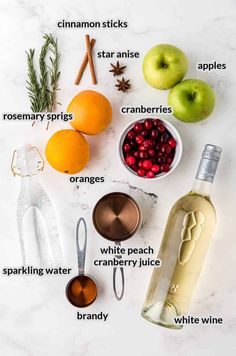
209, 162
212, 152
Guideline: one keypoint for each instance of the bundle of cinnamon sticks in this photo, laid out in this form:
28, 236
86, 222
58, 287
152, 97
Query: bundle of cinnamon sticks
87, 58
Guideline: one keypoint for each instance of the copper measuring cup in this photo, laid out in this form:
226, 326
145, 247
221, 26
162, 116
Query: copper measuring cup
81, 291
117, 217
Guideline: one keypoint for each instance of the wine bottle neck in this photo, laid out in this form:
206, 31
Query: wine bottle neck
202, 187
207, 170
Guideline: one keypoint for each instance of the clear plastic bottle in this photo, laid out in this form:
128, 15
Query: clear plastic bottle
184, 246
27, 163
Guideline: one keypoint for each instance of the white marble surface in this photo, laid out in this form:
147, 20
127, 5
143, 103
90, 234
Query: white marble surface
35, 318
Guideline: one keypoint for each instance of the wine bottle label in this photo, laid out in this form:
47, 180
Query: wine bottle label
191, 232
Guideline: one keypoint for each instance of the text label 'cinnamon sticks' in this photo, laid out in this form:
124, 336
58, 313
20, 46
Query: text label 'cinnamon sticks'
93, 24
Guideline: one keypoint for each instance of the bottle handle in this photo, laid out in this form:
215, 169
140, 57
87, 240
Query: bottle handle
14, 166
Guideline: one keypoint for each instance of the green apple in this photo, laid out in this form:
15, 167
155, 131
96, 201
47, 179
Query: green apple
164, 66
192, 100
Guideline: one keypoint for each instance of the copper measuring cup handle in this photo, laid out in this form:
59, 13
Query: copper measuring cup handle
81, 252
119, 297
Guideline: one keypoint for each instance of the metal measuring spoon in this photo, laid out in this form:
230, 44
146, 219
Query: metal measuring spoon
117, 217
81, 291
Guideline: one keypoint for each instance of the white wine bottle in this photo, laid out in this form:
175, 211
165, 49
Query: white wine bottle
184, 246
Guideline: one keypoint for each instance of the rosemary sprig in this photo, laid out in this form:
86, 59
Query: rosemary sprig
54, 72
44, 75
33, 86
42, 92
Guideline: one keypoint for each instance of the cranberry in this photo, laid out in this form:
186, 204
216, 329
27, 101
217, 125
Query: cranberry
131, 135
157, 122
164, 158
160, 160
139, 139
136, 154
164, 138
130, 160
133, 143
141, 172
140, 164
154, 133
147, 143
165, 168
150, 174
168, 149
148, 124
147, 164
142, 148
126, 147
169, 160
152, 152
161, 128
172, 143
127, 154
155, 168
158, 146
144, 133
143, 154
138, 127
163, 148
134, 168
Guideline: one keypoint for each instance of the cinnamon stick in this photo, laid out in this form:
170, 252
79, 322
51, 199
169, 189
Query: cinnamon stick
84, 64
90, 59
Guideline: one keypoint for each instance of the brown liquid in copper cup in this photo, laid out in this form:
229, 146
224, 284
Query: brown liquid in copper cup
81, 291
116, 216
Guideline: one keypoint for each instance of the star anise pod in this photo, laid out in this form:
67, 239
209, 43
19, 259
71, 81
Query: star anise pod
117, 69
123, 85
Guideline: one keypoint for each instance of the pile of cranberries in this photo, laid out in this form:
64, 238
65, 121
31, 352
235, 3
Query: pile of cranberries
149, 148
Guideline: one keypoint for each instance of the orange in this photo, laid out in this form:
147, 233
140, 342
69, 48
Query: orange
67, 151
92, 112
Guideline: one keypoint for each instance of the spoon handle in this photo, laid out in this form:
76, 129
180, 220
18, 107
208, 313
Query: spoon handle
122, 289
120, 295
81, 252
